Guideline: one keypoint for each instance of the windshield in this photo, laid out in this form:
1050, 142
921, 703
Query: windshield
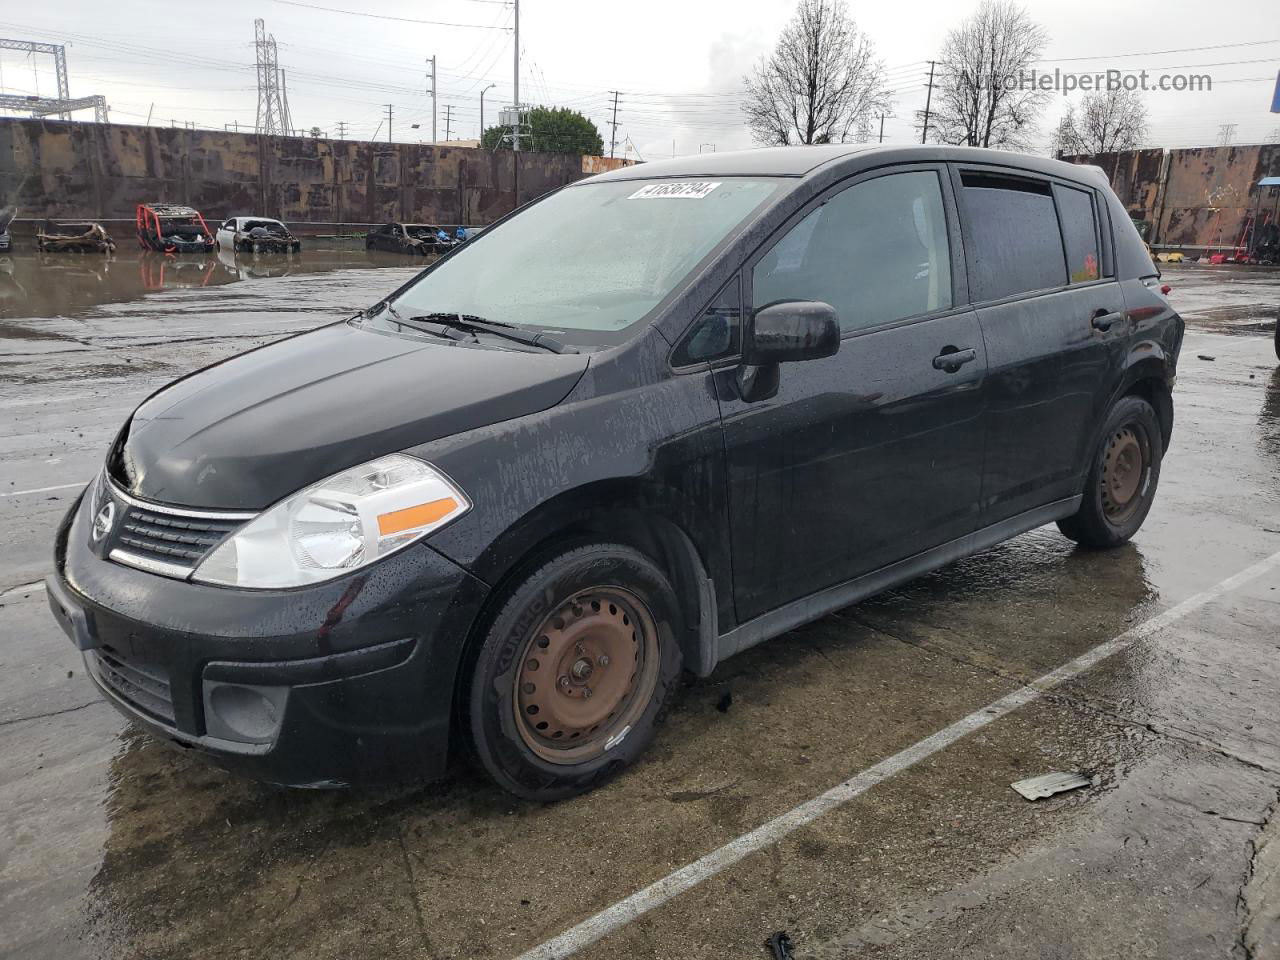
590, 261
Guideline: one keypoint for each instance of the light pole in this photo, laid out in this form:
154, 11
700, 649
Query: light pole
482, 93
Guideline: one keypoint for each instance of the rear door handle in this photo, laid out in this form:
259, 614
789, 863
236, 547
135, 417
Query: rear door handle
1102, 320
952, 359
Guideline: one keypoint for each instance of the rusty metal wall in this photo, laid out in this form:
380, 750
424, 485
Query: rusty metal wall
1198, 197
52, 168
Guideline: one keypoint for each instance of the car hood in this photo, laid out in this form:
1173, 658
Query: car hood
253, 429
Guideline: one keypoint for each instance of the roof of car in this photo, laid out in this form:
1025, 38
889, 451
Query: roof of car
801, 161
170, 209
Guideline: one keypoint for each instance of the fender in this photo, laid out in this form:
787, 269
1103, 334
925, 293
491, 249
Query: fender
658, 520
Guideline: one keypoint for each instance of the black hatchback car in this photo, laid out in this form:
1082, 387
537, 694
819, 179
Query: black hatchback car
502, 509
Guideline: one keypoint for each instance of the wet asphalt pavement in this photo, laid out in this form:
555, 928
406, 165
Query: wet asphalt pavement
113, 845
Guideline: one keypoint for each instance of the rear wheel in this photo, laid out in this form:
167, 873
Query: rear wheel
1122, 480
575, 673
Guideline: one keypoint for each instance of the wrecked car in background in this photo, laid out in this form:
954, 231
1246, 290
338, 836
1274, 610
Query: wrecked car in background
81, 236
6, 217
256, 235
173, 228
416, 238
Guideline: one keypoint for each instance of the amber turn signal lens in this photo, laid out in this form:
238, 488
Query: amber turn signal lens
418, 516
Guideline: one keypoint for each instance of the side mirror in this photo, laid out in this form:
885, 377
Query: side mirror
792, 330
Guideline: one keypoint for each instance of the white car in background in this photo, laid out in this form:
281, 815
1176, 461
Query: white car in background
256, 235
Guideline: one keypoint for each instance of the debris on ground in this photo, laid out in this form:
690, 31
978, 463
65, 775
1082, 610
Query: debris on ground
725, 702
1037, 788
1205, 356
780, 944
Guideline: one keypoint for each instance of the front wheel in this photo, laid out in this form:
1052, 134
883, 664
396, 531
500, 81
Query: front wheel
576, 671
1122, 480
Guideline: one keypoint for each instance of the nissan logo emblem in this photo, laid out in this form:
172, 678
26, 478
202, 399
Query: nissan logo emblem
103, 521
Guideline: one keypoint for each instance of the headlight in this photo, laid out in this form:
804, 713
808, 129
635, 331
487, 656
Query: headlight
337, 525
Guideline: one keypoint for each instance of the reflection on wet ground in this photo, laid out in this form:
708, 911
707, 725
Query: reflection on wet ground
1227, 298
34, 284
114, 845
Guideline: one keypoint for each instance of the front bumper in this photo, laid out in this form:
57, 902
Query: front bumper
346, 682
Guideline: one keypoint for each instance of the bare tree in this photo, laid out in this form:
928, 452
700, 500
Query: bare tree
821, 84
1110, 121
981, 100
1066, 136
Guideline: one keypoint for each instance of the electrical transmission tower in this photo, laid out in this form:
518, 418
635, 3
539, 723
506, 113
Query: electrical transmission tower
273, 118
63, 103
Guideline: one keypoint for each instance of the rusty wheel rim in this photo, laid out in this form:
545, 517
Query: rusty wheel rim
1124, 474
586, 674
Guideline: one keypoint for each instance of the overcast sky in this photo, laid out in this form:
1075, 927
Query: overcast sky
679, 65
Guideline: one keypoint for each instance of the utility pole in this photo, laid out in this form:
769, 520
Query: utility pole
882, 128
388, 106
928, 101
1227, 133
342, 129
613, 138
515, 130
432, 61
482, 93
448, 121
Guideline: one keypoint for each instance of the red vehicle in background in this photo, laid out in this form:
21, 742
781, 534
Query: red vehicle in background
172, 228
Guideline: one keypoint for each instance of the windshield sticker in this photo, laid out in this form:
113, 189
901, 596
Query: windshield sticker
679, 191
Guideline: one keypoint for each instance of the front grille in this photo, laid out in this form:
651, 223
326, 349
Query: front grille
158, 538
170, 538
142, 685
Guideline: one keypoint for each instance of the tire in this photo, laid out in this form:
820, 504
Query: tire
574, 621
1122, 480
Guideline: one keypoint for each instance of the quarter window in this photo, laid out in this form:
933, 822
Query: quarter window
1080, 232
877, 252
1011, 236
716, 333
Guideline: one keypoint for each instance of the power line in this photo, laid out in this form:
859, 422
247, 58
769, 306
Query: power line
384, 16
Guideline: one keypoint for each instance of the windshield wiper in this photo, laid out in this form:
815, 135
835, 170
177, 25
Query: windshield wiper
473, 324
393, 314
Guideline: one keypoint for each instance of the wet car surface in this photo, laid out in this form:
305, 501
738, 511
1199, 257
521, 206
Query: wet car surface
112, 844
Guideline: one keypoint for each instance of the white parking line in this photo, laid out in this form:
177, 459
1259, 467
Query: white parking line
61, 486
656, 894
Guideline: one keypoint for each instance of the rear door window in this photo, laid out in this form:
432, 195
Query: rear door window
1011, 235
877, 252
1080, 233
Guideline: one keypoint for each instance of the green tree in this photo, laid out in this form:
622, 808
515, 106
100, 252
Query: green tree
549, 130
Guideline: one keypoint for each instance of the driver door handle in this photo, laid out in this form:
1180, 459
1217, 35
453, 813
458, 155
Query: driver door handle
952, 360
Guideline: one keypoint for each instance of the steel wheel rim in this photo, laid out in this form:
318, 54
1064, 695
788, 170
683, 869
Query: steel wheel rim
1125, 471
585, 675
